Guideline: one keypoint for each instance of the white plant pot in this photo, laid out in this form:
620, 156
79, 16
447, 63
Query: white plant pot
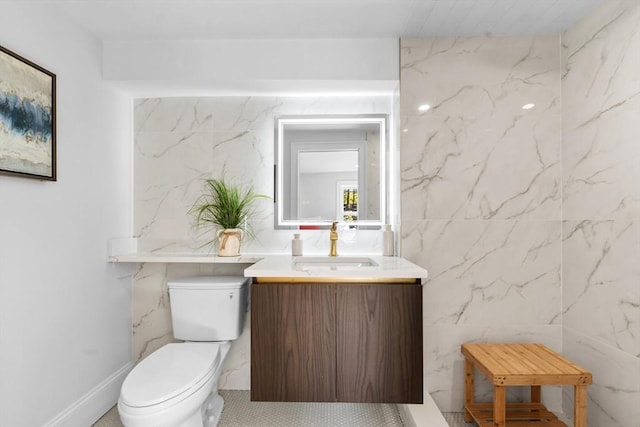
229, 241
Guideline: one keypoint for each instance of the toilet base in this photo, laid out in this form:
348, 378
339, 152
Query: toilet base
212, 410
206, 414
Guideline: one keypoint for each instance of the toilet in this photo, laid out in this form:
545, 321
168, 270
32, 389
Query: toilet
177, 385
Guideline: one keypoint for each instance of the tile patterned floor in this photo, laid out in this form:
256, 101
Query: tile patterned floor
110, 419
239, 411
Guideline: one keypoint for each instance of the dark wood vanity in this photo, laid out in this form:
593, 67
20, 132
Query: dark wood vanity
337, 342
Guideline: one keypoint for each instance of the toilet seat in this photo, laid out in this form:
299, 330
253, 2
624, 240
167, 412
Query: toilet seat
170, 374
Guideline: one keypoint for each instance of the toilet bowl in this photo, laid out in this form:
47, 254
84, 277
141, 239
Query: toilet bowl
177, 385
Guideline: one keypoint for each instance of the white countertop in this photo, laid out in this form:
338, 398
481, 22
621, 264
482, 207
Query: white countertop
195, 258
282, 266
387, 268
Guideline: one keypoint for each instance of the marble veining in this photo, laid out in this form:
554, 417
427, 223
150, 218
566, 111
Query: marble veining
445, 363
601, 276
180, 141
613, 397
488, 272
173, 114
177, 143
528, 220
481, 191
601, 56
601, 208
476, 154
601, 157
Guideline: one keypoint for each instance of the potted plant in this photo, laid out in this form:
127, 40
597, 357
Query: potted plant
225, 207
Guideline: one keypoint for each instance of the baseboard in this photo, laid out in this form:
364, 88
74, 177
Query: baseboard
90, 407
425, 415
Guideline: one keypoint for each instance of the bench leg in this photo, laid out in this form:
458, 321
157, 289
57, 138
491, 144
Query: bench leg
536, 394
468, 389
580, 407
499, 406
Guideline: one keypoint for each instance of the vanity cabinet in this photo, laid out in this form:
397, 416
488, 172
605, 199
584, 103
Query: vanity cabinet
336, 342
293, 346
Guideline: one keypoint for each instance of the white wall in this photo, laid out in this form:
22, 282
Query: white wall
319, 193
65, 313
249, 67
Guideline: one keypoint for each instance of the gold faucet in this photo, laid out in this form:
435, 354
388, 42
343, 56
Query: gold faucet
333, 236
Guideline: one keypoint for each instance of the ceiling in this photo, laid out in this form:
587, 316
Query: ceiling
274, 19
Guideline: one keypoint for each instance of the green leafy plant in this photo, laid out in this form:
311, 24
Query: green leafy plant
224, 206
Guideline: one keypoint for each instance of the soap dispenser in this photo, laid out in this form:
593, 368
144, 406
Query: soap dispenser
387, 240
296, 245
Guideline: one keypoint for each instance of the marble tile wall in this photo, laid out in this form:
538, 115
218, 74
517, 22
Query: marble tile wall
601, 208
481, 199
180, 141
528, 221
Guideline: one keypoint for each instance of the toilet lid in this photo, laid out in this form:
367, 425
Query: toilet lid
168, 372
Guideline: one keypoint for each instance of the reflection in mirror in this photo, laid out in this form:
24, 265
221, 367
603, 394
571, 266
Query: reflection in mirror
330, 168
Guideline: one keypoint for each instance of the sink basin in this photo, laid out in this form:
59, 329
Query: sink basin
332, 263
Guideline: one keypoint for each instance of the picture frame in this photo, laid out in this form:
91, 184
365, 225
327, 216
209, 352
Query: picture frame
27, 118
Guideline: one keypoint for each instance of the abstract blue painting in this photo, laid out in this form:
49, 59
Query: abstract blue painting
27, 118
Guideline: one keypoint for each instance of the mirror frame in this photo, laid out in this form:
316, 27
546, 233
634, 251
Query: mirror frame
280, 124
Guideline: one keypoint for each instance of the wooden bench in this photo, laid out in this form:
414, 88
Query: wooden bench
521, 365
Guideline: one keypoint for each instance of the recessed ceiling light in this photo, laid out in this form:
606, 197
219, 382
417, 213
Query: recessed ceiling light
528, 106
405, 130
424, 107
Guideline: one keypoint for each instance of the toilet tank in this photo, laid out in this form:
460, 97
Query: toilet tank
208, 308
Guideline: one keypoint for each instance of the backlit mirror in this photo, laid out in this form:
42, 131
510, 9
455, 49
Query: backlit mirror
330, 168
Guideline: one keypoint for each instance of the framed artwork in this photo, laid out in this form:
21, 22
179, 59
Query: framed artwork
27, 118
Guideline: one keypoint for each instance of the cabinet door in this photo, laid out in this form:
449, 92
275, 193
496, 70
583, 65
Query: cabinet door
293, 342
379, 343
